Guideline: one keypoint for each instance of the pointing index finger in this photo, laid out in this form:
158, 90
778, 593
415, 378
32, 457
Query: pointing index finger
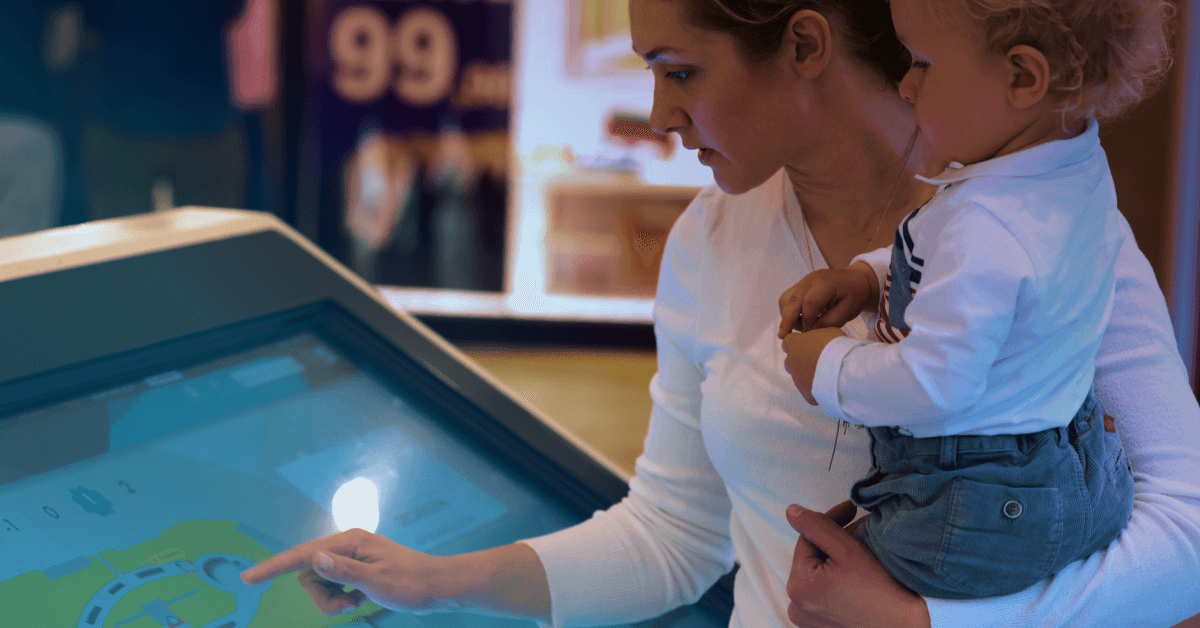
299, 557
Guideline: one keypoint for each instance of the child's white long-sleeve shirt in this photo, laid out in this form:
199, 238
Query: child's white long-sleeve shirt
732, 443
1012, 279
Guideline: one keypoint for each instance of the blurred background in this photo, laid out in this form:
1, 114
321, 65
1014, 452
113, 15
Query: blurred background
487, 163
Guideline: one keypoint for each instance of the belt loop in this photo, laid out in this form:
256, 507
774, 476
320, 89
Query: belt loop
1083, 418
876, 433
949, 454
1090, 402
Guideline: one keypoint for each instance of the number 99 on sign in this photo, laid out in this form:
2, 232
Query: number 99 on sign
417, 58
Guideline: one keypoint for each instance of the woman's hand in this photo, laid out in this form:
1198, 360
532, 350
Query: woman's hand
508, 580
836, 582
379, 569
803, 350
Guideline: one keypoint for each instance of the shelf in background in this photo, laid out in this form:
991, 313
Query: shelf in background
487, 318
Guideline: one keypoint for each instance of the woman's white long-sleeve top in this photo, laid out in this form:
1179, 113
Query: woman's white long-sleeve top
732, 443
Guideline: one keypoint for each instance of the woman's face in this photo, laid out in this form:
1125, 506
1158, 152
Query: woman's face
742, 118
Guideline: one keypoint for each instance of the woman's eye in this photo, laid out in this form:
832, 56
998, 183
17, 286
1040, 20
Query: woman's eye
920, 65
679, 75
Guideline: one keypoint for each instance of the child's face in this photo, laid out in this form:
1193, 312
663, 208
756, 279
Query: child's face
958, 88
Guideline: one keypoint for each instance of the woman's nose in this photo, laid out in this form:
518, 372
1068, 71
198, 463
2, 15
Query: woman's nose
666, 117
658, 119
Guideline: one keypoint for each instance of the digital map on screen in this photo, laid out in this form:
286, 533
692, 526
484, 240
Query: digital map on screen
189, 576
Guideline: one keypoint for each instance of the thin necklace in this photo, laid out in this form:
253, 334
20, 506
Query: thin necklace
896, 185
812, 265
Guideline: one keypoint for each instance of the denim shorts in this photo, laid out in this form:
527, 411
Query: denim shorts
976, 516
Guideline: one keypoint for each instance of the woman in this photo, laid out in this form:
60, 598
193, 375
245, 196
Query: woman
807, 139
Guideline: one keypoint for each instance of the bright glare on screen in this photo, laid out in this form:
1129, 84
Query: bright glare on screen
356, 505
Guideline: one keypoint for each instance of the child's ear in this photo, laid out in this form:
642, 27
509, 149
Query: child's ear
1029, 76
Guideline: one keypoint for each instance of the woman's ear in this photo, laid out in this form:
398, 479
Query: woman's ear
808, 43
1029, 76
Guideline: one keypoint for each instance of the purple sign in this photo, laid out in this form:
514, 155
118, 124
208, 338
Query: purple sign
410, 67
410, 122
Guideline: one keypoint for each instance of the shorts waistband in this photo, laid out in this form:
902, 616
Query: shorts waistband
889, 444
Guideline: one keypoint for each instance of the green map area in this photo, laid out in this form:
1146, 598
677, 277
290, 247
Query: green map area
187, 577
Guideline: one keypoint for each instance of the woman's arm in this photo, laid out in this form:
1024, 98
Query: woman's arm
662, 547
668, 541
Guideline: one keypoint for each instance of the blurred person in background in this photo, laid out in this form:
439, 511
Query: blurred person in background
30, 148
163, 129
253, 53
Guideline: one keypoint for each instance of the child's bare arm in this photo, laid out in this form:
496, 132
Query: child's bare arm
828, 298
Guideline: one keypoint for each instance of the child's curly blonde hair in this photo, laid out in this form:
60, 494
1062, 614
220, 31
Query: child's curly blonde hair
1104, 55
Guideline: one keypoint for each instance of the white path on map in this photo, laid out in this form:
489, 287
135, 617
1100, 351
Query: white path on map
222, 571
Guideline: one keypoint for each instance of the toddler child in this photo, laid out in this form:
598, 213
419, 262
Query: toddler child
993, 463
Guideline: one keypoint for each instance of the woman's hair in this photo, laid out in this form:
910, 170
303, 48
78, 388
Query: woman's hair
863, 26
1104, 55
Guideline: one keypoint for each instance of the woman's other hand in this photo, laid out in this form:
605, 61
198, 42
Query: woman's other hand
827, 298
802, 351
836, 582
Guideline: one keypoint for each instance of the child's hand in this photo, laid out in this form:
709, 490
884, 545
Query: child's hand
827, 298
803, 350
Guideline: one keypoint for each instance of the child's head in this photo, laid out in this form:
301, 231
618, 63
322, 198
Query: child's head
1104, 55
984, 70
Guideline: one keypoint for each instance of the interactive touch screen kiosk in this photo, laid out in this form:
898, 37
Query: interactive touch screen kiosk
183, 394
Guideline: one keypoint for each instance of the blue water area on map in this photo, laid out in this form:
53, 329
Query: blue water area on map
423, 501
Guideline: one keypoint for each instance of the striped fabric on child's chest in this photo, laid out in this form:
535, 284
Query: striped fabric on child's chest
900, 285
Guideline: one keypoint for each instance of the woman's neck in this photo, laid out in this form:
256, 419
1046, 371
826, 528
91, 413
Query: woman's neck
854, 176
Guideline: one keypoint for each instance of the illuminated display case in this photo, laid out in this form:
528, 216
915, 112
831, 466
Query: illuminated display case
593, 191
